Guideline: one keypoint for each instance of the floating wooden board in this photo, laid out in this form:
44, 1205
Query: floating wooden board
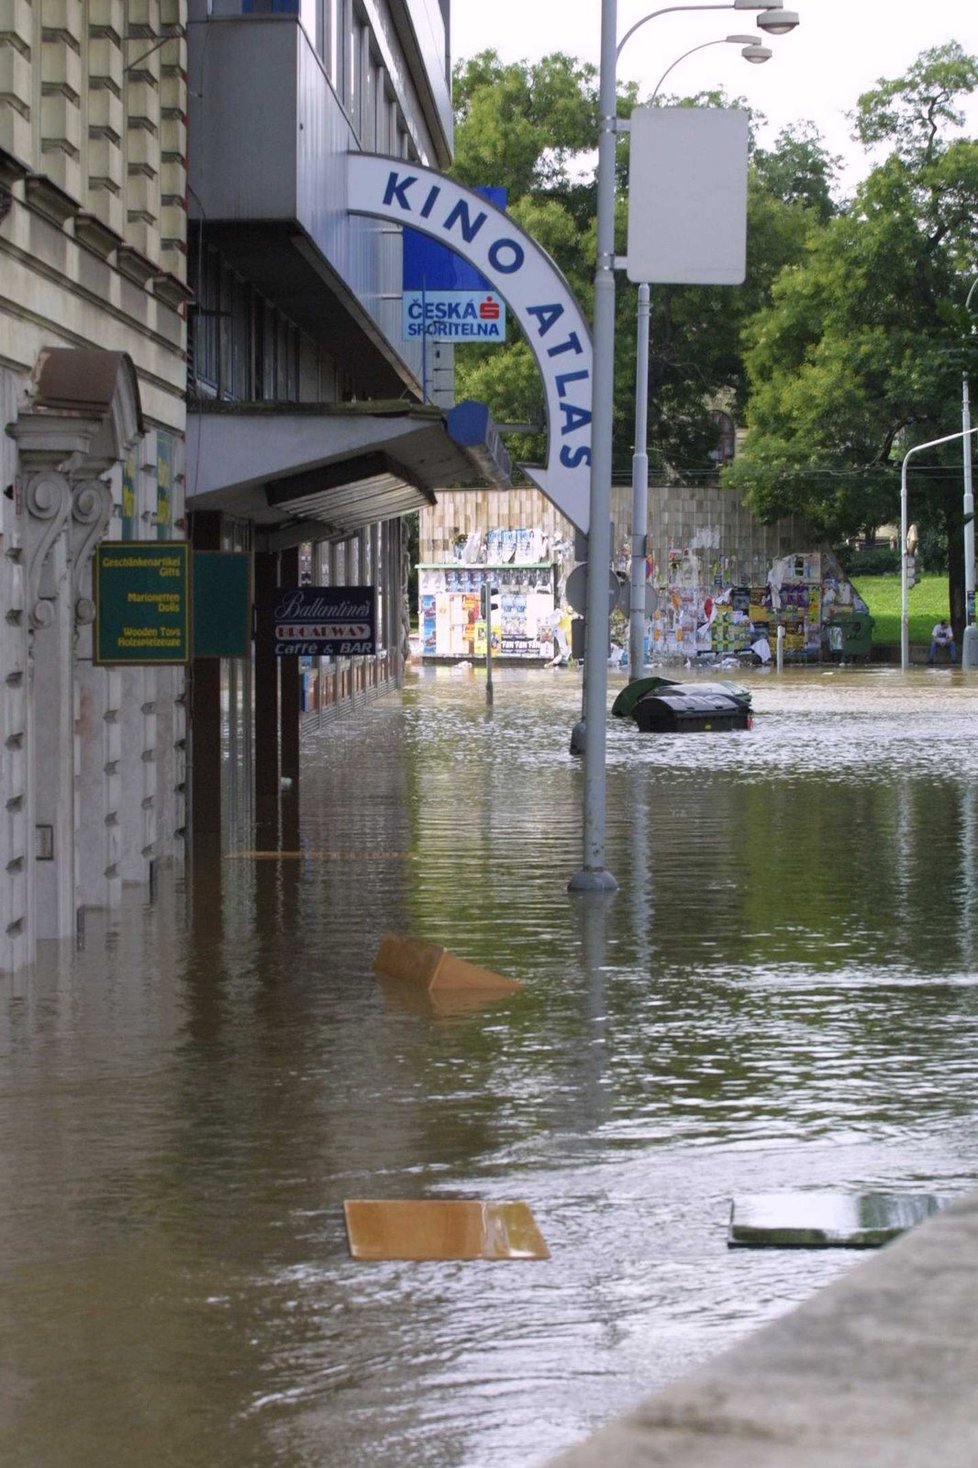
824, 1220
414, 961
435, 1229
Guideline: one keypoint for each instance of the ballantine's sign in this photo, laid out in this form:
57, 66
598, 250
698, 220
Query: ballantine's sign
319, 621
523, 274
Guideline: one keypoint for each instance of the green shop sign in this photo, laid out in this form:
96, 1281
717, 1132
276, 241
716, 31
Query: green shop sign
142, 602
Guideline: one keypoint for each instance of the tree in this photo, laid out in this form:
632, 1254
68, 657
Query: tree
533, 128
530, 129
798, 170
859, 355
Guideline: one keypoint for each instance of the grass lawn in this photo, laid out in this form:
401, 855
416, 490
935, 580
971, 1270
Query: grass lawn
927, 603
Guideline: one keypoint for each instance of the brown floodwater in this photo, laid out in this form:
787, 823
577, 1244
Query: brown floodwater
782, 995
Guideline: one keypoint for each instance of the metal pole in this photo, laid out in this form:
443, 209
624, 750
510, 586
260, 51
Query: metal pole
640, 491
969, 641
904, 615
487, 613
593, 877
904, 587
424, 339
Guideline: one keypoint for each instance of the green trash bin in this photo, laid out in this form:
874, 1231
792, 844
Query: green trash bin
857, 635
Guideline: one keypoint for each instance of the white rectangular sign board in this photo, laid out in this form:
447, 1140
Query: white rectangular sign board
687, 196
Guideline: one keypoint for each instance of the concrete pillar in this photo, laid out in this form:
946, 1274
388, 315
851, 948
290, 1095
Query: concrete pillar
267, 716
204, 778
51, 704
289, 685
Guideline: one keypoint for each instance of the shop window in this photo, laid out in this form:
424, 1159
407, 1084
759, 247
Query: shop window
354, 72
205, 281
239, 340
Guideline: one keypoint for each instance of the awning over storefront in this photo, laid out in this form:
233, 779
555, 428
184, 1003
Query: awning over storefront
314, 471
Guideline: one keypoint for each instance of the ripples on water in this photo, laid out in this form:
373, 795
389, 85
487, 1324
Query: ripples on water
781, 995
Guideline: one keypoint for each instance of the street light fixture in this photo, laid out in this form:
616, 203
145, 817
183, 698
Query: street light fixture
778, 22
593, 877
775, 19
969, 641
752, 51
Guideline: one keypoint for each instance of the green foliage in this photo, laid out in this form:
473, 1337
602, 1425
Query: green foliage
858, 356
533, 129
527, 128
798, 170
911, 113
522, 125
877, 561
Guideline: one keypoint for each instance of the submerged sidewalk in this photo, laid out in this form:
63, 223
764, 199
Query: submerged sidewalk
878, 1370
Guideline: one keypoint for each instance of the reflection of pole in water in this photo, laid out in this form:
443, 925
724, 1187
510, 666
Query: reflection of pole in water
969, 856
903, 849
593, 1090
642, 904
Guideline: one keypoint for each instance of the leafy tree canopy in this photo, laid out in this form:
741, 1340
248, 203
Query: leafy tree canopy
858, 356
533, 129
799, 170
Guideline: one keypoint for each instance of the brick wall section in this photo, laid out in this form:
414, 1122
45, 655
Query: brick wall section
711, 522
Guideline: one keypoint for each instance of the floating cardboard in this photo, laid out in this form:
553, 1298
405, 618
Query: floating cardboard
435, 1229
431, 967
824, 1220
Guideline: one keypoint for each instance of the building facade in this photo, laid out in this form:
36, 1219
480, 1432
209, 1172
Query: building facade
200, 343
92, 384
312, 427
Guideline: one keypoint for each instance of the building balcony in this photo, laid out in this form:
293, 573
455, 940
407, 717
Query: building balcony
268, 139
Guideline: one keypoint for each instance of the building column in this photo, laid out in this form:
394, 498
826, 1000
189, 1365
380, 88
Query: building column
99, 713
205, 739
51, 710
267, 720
290, 686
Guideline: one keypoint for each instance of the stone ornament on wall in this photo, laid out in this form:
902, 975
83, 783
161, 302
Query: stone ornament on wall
91, 510
47, 499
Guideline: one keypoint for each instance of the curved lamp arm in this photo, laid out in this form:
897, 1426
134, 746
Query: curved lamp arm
752, 51
666, 11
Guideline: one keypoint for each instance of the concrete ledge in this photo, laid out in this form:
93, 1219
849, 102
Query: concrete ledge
878, 1370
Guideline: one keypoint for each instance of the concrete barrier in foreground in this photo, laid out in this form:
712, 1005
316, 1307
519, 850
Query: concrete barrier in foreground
878, 1370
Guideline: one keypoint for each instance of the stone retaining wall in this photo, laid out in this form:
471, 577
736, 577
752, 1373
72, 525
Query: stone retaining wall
878, 1370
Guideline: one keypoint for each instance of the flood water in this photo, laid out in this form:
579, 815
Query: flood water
782, 995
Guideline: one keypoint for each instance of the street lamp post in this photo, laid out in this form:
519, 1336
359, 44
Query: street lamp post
754, 52
593, 876
969, 640
904, 530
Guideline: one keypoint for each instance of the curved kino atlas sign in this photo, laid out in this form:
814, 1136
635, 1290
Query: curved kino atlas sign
530, 284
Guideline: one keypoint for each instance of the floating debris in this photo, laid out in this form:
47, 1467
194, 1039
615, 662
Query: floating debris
442, 1229
414, 961
824, 1220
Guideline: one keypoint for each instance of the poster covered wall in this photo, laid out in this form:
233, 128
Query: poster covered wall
451, 614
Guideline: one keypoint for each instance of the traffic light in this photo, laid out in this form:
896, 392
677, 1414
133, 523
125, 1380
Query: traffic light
490, 603
911, 570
